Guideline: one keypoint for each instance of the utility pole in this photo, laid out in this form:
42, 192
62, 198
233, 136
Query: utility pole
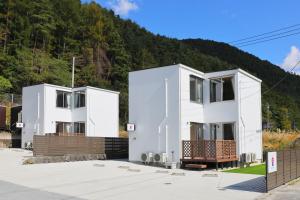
268, 116
73, 71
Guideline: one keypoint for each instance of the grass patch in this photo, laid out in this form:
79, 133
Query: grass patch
257, 169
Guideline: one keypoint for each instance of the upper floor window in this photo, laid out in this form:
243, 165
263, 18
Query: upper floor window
63, 99
221, 89
79, 100
196, 89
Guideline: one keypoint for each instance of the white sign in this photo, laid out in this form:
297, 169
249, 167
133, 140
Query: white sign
272, 162
19, 125
130, 127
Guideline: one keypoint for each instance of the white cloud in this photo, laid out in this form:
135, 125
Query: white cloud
123, 7
291, 60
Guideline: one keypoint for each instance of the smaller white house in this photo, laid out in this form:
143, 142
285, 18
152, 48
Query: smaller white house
186, 115
88, 111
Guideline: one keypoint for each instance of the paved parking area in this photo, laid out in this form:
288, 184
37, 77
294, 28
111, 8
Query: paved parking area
117, 180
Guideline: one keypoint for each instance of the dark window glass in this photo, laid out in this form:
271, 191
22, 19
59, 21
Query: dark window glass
79, 99
228, 131
196, 89
63, 99
79, 127
60, 99
228, 92
213, 91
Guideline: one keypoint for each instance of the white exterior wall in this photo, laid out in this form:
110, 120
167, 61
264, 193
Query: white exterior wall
147, 110
102, 113
189, 111
40, 114
53, 114
32, 112
250, 128
153, 109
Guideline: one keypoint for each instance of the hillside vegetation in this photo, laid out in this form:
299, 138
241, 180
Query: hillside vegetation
39, 37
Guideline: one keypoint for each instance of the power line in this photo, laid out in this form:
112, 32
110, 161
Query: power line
275, 85
269, 39
262, 34
269, 36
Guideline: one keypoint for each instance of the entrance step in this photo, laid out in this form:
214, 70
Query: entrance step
196, 166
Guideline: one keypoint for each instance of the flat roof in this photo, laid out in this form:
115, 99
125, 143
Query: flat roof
77, 88
232, 71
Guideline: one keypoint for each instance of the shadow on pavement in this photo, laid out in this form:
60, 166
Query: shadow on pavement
253, 185
13, 191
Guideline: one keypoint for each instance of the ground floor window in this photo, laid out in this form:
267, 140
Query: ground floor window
63, 127
228, 131
213, 131
196, 131
79, 127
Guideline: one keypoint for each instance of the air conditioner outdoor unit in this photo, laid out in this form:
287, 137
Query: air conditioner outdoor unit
160, 157
243, 158
248, 158
28, 145
253, 157
147, 157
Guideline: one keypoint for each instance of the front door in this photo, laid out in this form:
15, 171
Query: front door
196, 131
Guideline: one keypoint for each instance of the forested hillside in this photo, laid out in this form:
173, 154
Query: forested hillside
38, 39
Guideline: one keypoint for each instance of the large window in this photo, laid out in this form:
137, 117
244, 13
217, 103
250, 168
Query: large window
79, 100
63, 127
63, 99
196, 89
221, 89
228, 131
79, 127
196, 131
213, 131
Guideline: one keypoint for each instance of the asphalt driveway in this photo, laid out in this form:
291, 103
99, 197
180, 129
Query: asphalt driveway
117, 180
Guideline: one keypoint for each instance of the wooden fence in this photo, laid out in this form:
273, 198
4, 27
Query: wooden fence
50, 145
288, 168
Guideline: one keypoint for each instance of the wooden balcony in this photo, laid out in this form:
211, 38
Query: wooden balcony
209, 151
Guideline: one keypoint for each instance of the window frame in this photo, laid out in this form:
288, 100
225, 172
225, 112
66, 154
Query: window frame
65, 95
79, 93
197, 80
80, 123
219, 80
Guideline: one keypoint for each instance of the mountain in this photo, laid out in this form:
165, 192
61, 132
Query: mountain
38, 39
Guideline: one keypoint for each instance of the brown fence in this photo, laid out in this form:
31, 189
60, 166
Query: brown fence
50, 145
288, 168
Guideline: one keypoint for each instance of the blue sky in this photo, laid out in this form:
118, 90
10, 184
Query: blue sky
220, 20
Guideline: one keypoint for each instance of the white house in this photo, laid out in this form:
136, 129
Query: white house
87, 111
173, 105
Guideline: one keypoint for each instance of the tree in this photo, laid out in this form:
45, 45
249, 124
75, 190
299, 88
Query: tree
5, 84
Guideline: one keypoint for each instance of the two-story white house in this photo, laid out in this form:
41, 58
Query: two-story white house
50, 109
193, 116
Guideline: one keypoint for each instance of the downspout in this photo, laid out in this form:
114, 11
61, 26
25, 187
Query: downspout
166, 114
242, 120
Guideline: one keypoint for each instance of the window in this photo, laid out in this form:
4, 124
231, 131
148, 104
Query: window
228, 131
221, 89
228, 92
213, 131
79, 100
196, 89
79, 127
63, 127
196, 131
63, 99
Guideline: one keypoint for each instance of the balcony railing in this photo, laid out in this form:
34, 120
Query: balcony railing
209, 150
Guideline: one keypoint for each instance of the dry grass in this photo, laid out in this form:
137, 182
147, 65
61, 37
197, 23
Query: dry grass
123, 134
279, 140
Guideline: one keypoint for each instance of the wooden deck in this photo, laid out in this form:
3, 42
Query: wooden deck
205, 151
